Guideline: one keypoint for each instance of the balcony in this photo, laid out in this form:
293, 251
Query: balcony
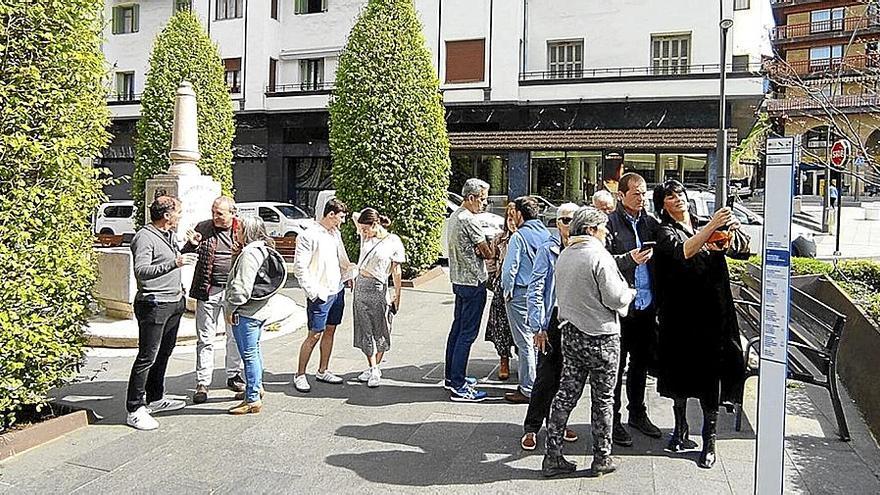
610, 74
824, 29
123, 98
826, 66
304, 88
865, 102
786, 3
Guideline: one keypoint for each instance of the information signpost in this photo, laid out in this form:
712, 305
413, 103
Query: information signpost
775, 305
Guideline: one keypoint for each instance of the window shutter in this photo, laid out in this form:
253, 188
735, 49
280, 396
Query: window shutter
465, 61
117, 20
135, 18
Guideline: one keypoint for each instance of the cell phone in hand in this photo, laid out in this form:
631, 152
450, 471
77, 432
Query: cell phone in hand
647, 245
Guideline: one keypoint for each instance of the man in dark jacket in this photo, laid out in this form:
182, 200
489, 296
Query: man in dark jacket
629, 227
212, 240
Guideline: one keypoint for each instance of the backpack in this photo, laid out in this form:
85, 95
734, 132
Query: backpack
271, 276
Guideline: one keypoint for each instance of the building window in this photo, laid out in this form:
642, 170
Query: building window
740, 63
310, 6
563, 176
125, 86
825, 57
229, 9
273, 74
274, 9
670, 54
822, 21
565, 59
311, 74
465, 61
126, 19
232, 66
182, 5
644, 164
741, 4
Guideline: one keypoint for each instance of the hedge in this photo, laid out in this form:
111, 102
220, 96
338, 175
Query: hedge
183, 51
387, 131
53, 118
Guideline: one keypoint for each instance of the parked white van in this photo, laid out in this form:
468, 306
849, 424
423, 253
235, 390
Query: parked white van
281, 219
115, 218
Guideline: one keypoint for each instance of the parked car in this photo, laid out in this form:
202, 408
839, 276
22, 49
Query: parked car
281, 219
115, 218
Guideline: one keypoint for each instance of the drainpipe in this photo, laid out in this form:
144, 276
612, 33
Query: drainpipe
525, 35
244, 58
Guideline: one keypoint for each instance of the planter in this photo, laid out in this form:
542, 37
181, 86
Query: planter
424, 277
15, 441
859, 347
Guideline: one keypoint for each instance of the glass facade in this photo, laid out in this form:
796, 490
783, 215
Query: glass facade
563, 176
490, 168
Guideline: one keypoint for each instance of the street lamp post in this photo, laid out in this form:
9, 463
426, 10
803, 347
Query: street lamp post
723, 166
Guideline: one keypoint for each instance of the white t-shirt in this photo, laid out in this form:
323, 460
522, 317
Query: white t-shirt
378, 254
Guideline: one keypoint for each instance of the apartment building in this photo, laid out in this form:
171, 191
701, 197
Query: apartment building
548, 97
826, 82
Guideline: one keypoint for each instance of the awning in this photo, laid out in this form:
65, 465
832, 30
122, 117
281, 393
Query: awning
591, 139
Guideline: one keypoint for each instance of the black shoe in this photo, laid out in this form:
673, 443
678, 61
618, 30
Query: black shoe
236, 383
620, 435
678, 444
644, 425
602, 465
555, 465
201, 395
707, 456
680, 440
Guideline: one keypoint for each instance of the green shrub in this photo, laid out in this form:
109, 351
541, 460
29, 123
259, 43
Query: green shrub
53, 118
183, 51
866, 272
387, 130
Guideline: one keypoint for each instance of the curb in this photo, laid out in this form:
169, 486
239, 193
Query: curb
17, 441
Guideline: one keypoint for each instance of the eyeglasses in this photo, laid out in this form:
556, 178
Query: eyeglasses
564, 220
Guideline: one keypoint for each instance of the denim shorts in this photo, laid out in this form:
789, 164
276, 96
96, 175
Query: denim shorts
323, 313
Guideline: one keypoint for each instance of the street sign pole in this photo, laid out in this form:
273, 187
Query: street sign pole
775, 305
840, 153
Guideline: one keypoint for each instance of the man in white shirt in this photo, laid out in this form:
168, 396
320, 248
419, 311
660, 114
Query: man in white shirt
321, 266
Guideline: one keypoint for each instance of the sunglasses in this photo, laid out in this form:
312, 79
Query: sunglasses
564, 220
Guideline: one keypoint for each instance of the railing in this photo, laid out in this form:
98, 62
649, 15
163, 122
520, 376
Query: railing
830, 26
658, 72
820, 102
304, 87
123, 98
825, 65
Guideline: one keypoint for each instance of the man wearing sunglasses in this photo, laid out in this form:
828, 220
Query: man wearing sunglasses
631, 233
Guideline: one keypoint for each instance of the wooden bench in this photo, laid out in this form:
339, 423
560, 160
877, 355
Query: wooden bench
814, 335
286, 247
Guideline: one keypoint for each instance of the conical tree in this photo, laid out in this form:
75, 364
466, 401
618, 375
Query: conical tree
183, 51
387, 132
53, 118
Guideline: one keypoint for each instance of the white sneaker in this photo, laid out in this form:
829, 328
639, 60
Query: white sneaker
301, 383
141, 420
165, 404
375, 376
365, 375
328, 377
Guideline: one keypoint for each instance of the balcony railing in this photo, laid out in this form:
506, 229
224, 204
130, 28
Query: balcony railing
826, 27
123, 98
299, 88
819, 102
658, 72
853, 63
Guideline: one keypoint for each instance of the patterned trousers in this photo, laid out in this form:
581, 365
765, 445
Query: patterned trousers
585, 357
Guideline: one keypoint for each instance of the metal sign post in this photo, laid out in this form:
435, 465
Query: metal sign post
775, 305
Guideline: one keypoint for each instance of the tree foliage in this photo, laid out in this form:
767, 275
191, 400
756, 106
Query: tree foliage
53, 118
387, 130
183, 51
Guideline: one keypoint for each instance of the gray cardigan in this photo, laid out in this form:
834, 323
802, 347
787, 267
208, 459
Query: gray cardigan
241, 283
592, 293
154, 258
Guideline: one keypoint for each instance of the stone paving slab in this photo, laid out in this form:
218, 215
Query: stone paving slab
404, 437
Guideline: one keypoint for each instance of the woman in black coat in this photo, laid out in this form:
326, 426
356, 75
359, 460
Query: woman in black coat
700, 354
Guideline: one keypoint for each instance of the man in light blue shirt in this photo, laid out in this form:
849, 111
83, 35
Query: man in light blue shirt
516, 273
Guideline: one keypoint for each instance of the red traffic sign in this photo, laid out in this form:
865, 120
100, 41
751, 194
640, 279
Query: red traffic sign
840, 153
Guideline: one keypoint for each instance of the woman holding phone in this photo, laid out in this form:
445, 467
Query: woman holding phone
381, 254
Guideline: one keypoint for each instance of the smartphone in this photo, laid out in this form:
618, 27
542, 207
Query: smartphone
647, 245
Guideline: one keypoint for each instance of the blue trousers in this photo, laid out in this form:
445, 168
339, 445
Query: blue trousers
523, 337
247, 337
469, 304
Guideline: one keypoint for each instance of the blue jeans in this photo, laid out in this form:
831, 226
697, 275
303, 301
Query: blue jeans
247, 337
517, 316
469, 304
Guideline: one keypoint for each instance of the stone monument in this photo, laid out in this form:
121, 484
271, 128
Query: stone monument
183, 179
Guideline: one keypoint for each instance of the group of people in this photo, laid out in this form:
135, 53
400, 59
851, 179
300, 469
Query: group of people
615, 294
235, 287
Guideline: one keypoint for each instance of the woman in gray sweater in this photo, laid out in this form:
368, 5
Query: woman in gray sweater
592, 295
245, 314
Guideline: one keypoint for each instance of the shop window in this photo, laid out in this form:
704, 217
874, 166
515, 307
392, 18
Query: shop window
561, 177
694, 169
644, 164
490, 168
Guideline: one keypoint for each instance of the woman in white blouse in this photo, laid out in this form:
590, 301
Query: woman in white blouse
381, 254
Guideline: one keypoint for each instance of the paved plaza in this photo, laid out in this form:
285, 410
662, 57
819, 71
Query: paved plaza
404, 437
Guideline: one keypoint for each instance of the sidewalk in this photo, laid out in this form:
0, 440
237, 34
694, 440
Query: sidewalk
404, 437
859, 238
